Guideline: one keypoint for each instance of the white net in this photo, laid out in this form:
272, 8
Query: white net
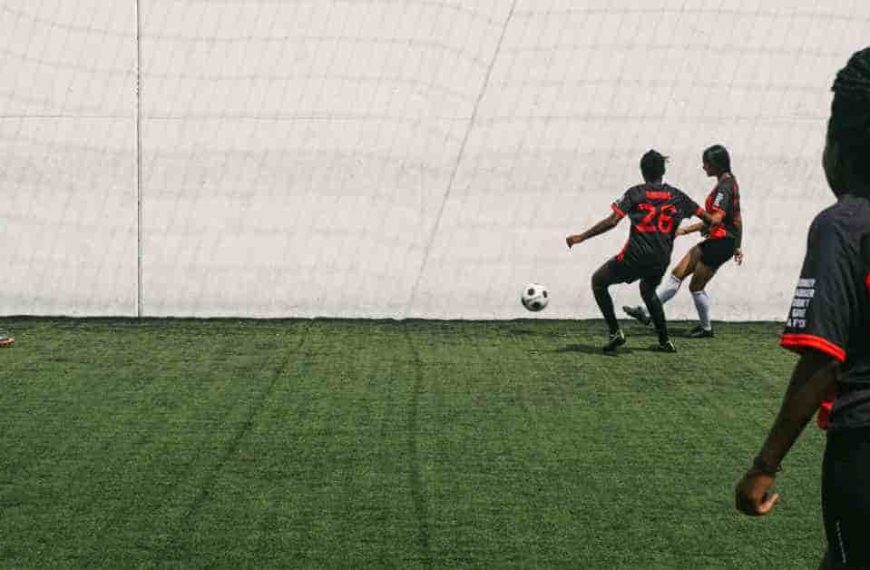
67, 157
387, 158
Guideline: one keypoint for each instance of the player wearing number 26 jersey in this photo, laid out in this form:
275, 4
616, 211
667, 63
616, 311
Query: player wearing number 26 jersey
655, 210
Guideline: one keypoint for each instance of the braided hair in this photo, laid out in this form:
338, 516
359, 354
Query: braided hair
849, 125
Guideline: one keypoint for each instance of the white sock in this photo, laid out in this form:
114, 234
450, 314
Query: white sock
702, 303
667, 291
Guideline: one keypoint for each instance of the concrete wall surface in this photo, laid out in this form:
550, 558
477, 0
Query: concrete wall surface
394, 158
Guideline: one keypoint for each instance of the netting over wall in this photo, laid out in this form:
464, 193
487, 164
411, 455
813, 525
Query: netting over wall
387, 158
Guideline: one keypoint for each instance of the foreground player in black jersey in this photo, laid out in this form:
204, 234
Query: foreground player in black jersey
829, 325
655, 210
723, 241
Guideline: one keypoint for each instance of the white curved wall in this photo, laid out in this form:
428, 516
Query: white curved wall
392, 158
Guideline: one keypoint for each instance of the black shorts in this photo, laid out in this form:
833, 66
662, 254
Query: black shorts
846, 496
627, 272
715, 252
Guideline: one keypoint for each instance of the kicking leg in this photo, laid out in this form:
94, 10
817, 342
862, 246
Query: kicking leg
683, 269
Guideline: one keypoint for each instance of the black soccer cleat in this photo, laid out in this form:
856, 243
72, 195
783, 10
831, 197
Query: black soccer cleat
616, 340
700, 332
638, 314
667, 346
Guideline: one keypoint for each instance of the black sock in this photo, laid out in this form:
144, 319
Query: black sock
655, 308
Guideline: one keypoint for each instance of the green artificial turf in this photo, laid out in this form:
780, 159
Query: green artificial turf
415, 444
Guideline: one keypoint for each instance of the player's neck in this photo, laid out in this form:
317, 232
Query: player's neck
725, 176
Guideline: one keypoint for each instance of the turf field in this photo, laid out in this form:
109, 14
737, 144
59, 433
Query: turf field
225, 443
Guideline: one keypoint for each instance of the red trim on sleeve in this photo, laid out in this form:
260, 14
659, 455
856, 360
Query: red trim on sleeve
699, 211
798, 341
716, 210
616, 209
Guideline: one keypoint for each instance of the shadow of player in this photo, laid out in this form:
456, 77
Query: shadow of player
596, 349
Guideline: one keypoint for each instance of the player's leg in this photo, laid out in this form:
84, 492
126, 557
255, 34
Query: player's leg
702, 275
666, 292
607, 275
683, 269
713, 253
656, 311
846, 498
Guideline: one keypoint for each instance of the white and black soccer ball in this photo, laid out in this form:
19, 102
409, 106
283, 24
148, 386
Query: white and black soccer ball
535, 297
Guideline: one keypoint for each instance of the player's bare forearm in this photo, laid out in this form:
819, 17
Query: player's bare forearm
813, 375
690, 229
601, 227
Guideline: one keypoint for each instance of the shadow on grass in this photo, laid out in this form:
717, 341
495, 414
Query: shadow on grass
596, 349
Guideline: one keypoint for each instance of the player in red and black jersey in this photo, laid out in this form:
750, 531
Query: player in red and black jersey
829, 326
655, 210
723, 242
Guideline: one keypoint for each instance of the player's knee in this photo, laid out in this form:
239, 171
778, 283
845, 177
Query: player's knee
599, 281
598, 287
699, 282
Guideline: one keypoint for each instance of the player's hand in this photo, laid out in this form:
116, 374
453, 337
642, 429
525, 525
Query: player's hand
572, 240
738, 256
752, 496
681, 231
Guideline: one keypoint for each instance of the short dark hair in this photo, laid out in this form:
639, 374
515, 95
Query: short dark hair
652, 165
717, 156
849, 124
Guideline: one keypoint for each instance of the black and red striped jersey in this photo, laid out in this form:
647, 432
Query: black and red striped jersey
725, 199
655, 212
830, 311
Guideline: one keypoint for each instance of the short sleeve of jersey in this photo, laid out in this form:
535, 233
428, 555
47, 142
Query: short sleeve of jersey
826, 297
627, 202
722, 197
687, 206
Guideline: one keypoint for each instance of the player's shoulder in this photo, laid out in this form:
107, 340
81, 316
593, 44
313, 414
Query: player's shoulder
675, 191
634, 194
848, 211
728, 184
847, 220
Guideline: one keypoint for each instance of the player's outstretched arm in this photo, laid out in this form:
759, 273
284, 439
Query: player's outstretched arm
604, 225
813, 375
707, 221
690, 229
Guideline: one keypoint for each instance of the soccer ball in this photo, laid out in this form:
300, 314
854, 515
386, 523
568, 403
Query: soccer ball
535, 297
